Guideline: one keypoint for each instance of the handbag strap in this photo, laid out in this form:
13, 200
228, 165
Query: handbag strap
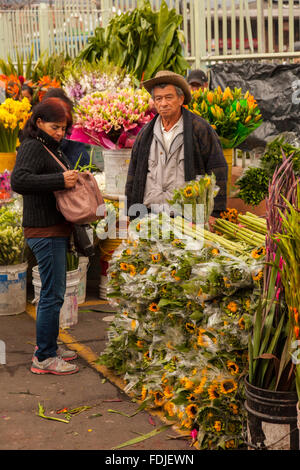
57, 159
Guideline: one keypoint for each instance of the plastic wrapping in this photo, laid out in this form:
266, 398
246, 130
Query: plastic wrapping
276, 88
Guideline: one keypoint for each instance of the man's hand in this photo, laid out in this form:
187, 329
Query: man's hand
211, 222
70, 178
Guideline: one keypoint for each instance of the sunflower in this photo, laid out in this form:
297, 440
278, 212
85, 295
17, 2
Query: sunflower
187, 383
215, 251
218, 426
188, 191
192, 397
258, 252
199, 389
296, 331
191, 410
186, 423
173, 274
147, 355
153, 307
155, 257
139, 343
230, 444
213, 392
190, 327
124, 266
132, 270
228, 386
232, 367
234, 408
232, 307
257, 276
143, 271
169, 407
168, 391
144, 393
133, 324
241, 323
158, 398
128, 251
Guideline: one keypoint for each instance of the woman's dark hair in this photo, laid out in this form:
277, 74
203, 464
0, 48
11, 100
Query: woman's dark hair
28, 88
50, 110
60, 94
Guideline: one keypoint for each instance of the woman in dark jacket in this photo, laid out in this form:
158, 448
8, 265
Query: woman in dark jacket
36, 176
71, 148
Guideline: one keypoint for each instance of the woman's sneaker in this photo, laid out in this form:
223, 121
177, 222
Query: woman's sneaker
53, 365
65, 354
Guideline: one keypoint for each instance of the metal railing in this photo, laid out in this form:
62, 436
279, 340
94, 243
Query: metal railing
215, 30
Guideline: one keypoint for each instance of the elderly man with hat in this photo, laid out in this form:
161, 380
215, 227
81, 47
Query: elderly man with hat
172, 149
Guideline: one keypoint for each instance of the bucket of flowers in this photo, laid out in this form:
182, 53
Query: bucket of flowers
112, 120
233, 114
13, 116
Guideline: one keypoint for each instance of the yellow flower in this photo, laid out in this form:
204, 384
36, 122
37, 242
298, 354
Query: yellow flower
132, 270
191, 410
144, 393
173, 274
133, 324
187, 383
155, 257
234, 408
153, 307
232, 306
190, 327
143, 271
257, 276
213, 392
124, 266
139, 343
257, 253
228, 386
169, 407
232, 367
158, 398
241, 323
168, 391
188, 191
218, 426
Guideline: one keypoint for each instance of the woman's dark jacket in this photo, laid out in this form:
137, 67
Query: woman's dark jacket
36, 175
203, 154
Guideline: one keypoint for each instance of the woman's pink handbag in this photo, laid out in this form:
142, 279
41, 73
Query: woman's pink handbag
80, 204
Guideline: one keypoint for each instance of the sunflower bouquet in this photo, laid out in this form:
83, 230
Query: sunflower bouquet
13, 117
231, 113
195, 201
175, 352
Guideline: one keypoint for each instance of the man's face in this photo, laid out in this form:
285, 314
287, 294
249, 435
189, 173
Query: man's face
167, 102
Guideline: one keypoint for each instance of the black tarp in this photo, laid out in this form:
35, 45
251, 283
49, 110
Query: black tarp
276, 88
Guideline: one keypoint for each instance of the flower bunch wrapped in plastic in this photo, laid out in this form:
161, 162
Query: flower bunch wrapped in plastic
179, 351
231, 113
13, 117
195, 200
112, 119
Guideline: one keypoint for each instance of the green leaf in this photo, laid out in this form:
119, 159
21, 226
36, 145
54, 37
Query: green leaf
143, 437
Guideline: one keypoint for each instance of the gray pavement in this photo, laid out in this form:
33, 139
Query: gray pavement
96, 428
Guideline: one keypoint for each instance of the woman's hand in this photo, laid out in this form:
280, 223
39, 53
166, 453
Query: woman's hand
70, 178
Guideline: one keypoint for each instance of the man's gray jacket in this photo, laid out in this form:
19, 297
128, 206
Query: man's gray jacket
203, 154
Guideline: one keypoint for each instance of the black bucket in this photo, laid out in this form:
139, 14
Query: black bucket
272, 419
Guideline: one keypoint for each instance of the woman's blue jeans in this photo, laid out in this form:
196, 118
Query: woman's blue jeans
50, 254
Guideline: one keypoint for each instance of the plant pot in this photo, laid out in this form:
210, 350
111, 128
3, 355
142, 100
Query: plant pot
69, 311
228, 154
116, 163
7, 161
13, 289
272, 418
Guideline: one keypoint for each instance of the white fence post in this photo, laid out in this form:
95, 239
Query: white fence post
44, 27
106, 7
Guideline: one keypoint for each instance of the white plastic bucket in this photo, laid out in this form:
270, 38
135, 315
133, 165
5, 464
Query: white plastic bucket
13, 289
103, 287
69, 311
83, 264
116, 163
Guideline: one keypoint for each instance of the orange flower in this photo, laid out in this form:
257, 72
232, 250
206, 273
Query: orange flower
297, 331
153, 307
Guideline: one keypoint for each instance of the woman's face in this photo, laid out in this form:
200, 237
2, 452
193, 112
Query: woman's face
56, 130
